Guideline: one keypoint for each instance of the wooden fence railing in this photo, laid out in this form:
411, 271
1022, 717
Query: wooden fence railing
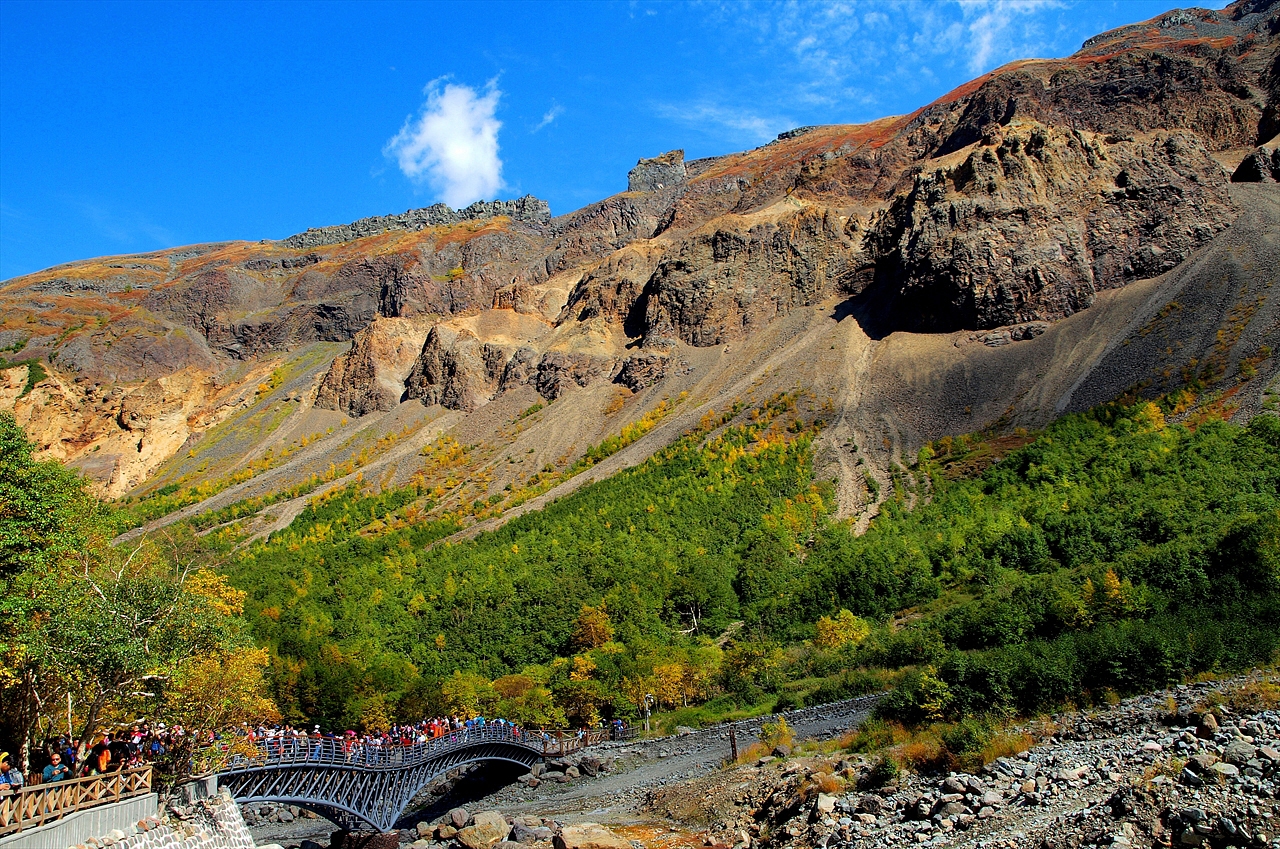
38, 804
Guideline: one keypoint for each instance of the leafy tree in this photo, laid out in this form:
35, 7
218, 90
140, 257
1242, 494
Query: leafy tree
124, 630
593, 628
845, 629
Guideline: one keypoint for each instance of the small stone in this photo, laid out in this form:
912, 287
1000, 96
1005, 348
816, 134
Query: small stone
1239, 752
1208, 727
1202, 761
459, 817
1226, 770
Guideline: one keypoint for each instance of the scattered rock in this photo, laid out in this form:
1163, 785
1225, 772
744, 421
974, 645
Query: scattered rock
589, 835
488, 829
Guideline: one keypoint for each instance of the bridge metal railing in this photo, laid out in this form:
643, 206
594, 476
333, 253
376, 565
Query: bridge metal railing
34, 805
346, 751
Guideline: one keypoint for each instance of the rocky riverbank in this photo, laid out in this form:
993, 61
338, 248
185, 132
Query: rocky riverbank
1195, 765
1176, 768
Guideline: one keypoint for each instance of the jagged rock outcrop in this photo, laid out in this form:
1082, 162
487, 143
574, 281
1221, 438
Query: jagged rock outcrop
557, 371
612, 289
527, 209
455, 370
370, 377
459, 371
520, 369
724, 282
1031, 225
654, 175
1261, 166
642, 371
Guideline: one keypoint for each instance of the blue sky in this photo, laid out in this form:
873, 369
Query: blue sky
129, 127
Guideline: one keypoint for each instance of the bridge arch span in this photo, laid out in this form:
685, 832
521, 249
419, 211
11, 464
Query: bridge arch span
369, 786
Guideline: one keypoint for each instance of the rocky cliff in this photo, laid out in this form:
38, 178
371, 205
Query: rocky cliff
1040, 205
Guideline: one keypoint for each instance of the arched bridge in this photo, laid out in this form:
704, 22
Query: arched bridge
351, 784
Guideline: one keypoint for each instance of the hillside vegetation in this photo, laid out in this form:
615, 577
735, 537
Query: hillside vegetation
1110, 553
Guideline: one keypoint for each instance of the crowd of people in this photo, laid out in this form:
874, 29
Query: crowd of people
290, 743
62, 758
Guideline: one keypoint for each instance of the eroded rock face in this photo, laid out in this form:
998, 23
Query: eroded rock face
558, 371
654, 175
455, 370
725, 282
370, 377
1009, 201
1030, 227
116, 437
642, 371
459, 371
1261, 166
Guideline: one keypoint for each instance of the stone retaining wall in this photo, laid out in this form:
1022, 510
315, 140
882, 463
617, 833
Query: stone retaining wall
213, 823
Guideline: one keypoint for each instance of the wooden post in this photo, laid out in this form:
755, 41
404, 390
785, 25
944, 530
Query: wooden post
733, 743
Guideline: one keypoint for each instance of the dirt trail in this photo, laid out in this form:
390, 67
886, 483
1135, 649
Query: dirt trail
643, 765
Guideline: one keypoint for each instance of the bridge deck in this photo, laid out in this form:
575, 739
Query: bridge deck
339, 751
349, 782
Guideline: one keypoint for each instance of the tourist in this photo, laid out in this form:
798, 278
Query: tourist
99, 756
121, 753
10, 778
56, 770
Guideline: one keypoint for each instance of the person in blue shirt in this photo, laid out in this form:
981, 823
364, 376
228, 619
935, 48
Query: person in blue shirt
56, 770
10, 778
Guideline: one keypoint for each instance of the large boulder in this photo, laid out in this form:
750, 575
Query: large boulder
589, 835
487, 829
1261, 166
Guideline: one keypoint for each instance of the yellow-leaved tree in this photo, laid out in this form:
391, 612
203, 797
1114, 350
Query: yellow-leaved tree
593, 628
845, 629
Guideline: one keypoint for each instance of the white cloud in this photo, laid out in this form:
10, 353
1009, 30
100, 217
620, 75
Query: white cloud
553, 113
841, 57
452, 144
994, 33
736, 124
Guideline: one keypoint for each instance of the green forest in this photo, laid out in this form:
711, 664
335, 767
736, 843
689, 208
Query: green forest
1109, 553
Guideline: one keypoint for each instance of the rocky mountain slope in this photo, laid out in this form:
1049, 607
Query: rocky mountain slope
1050, 235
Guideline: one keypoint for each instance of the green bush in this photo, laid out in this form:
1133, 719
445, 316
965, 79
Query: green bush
884, 770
